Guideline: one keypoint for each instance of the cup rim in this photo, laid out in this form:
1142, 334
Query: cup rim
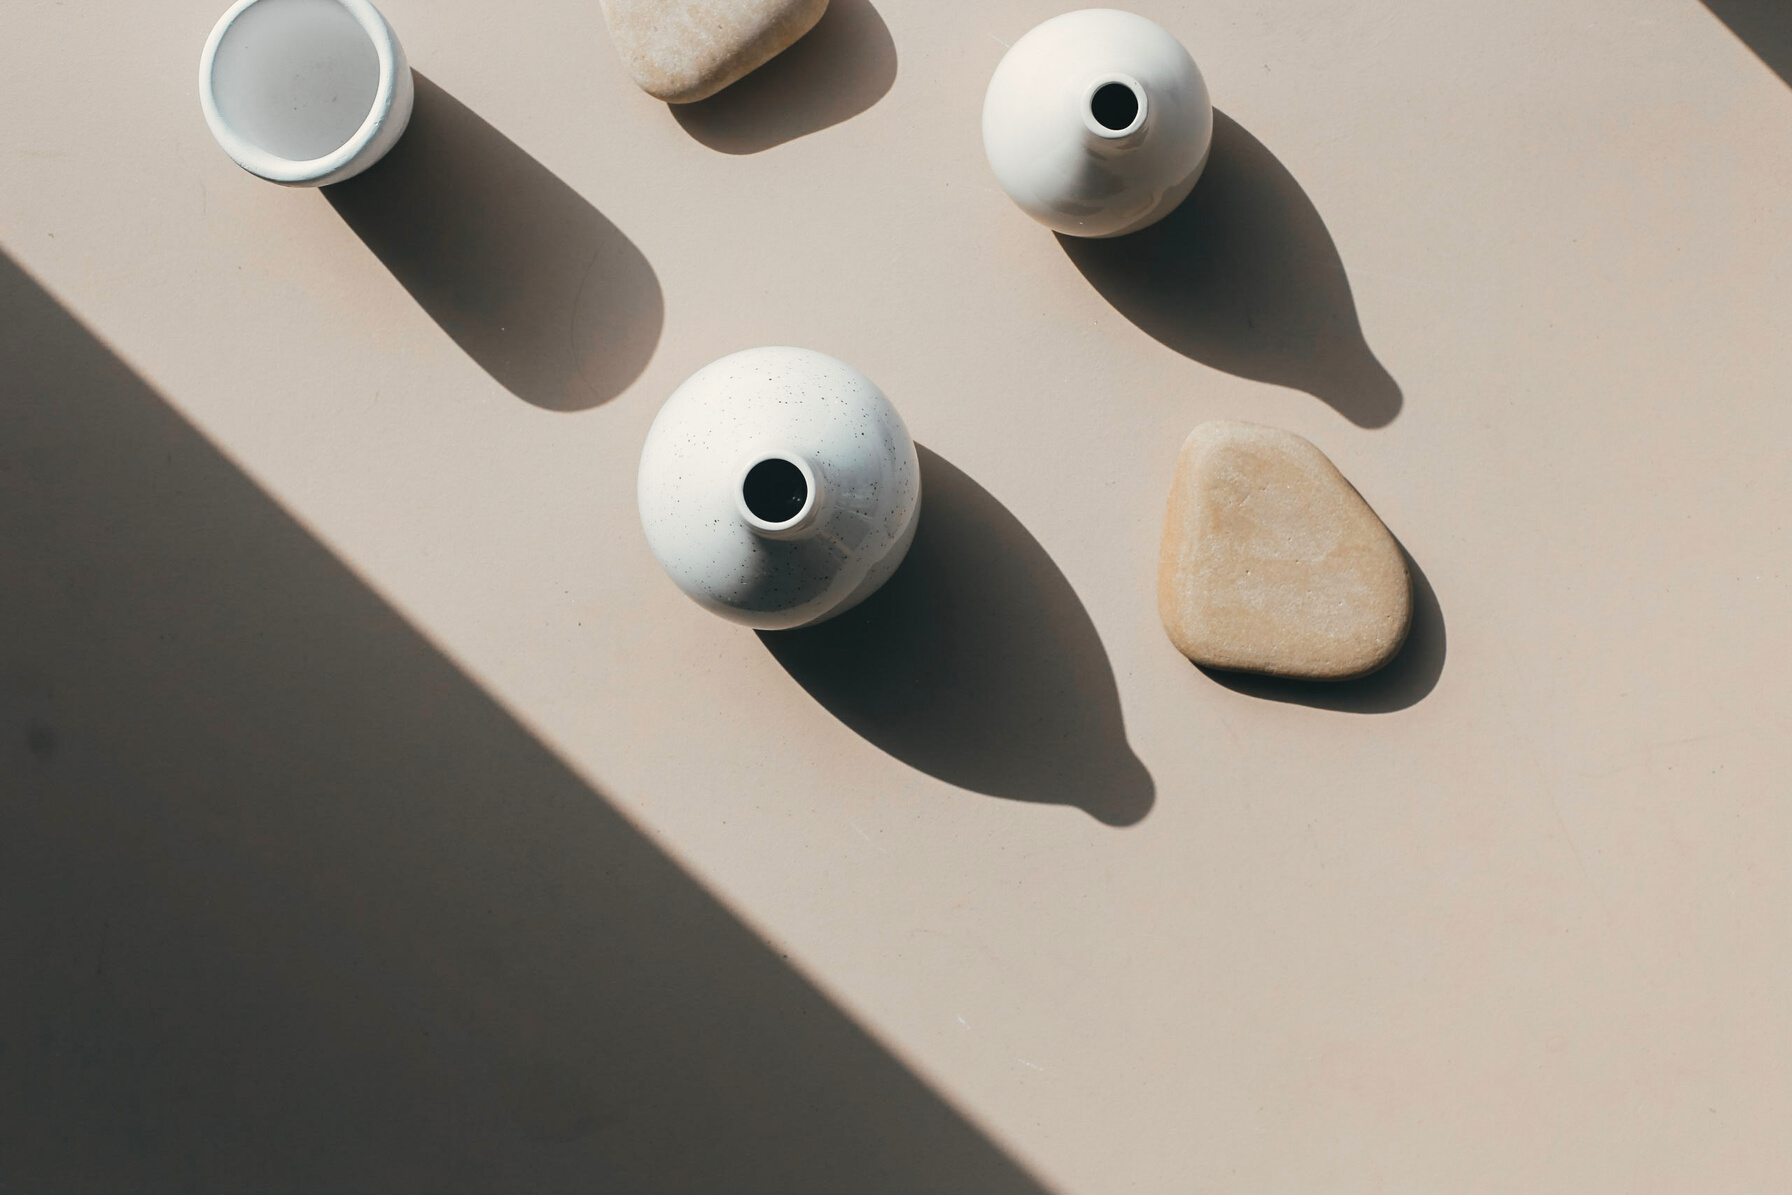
271, 166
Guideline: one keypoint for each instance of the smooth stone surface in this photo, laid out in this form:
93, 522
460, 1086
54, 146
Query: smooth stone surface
1272, 562
682, 51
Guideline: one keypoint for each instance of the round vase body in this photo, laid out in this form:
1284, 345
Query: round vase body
1097, 123
305, 92
779, 487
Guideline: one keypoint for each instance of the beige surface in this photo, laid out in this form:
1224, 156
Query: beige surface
1272, 562
1528, 928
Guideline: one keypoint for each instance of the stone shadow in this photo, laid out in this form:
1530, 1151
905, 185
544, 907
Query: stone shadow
977, 663
1244, 277
288, 902
834, 72
1401, 683
548, 296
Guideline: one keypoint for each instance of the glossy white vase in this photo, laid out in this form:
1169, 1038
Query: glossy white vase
1097, 123
779, 487
305, 92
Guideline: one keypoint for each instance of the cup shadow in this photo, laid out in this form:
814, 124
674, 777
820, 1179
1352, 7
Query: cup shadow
834, 72
977, 664
548, 296
1403, 682
1764, 26
1244, 277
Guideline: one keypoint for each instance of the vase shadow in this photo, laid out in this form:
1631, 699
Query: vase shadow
1764, 26
543, 292
834, 72
1244, 277
977, 664
289, 902
1403, 682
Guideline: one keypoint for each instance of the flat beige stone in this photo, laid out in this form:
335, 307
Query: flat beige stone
682, 51
1272, 562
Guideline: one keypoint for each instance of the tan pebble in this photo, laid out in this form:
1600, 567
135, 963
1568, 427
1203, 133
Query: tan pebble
682, 51
1272, 562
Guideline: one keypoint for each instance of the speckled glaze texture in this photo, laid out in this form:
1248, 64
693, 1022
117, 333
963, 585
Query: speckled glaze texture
1058, 162
805, 407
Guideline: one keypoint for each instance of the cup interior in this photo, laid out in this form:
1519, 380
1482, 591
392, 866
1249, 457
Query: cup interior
295, 78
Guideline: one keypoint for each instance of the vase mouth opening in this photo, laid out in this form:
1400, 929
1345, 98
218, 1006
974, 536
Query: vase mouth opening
1114, 106
294, 88
777, 494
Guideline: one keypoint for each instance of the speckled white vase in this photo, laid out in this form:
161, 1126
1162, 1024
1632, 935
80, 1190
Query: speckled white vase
1097, 123
779, 487
305, 92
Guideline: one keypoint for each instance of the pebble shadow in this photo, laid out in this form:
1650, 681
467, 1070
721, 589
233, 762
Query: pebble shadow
834, 72
1244, 277
548, 296
1405, 681
978, 664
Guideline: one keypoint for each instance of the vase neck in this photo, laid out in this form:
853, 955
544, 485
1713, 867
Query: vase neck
779, 495
1115, 111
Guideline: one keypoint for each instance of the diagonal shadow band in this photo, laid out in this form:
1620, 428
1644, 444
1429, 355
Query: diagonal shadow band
1244, 277
288, 902
1401, 683
1764, 26
837, 70
548, 296
977, 663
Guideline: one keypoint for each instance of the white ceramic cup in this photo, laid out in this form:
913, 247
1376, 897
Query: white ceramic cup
305, 92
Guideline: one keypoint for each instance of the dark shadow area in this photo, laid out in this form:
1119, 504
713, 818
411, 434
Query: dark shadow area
534, 283
1764, 26
1405, 681
288, 903
977, 663
834, 72
1244, 277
